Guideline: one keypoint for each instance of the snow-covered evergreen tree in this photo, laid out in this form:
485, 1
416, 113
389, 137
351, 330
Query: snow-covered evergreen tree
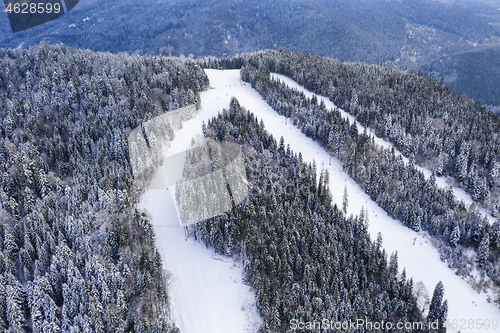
345, 200
438, 309
483, 250
455, 236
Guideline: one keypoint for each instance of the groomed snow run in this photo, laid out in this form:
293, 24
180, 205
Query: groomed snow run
207, 293
206, 290
442, 182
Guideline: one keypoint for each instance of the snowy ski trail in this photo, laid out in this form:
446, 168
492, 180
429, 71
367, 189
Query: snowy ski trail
421, 260
207, 292
442, 182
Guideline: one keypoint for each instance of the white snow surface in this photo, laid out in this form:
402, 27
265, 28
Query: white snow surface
207, 293
421, 260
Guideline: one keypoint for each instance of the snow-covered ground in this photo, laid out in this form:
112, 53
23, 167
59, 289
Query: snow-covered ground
443, 182
420, 260
207, 292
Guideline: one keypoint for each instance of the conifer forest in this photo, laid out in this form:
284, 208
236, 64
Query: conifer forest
77, 255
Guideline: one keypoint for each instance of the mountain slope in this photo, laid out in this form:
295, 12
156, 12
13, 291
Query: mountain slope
370, 31
398, 33
476, 73
421, 260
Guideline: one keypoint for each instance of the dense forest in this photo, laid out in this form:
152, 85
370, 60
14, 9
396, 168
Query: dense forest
75, 254
305, 259
458, 70
399, 189
444, 131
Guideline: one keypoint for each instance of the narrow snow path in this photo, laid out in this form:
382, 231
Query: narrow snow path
442, 182
207, 292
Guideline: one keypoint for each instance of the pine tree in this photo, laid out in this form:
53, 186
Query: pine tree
495, 208
345, 200
495, 175
483, 250
416, 222
437, 309
439, 166
455, 236
15, 313
495, 235
444, 312
393, 263
331, 140
462, 161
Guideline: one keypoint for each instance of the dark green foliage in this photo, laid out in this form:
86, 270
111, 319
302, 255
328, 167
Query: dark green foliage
399, 188
75, 253
476, 73
483, 250
302, 256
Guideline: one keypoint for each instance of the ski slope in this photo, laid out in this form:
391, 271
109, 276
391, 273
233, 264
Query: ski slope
207, 292
442, 182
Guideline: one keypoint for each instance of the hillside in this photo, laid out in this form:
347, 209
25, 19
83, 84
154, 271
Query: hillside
476, 73
77, 254
405, 194
398, 33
